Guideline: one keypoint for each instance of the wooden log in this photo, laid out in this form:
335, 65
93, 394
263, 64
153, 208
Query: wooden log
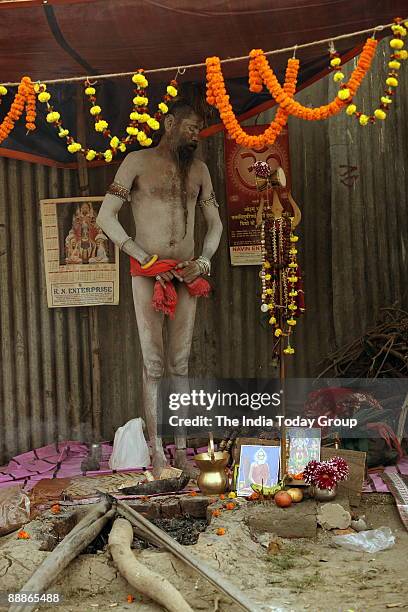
77, 539
160, 538
137, 575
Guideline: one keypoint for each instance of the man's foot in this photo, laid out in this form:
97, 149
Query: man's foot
180, 462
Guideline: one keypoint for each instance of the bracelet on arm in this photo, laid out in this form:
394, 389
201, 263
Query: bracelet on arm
211, 201
151, 261
204, 264
119, 191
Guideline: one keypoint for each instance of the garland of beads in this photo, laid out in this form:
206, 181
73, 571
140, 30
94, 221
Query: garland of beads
138, 129
24, 99
394, 64
279, 257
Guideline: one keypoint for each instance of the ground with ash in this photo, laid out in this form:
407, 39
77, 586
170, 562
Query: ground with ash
302, 574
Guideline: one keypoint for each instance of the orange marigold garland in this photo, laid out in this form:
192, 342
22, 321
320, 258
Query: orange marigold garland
346, 92
24, 99
217, 96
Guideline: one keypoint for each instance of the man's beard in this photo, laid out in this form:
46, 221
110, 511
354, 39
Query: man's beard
184, 155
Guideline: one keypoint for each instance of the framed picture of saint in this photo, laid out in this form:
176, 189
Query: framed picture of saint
81, 262
257, 465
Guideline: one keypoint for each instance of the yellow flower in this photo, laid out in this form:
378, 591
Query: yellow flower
386, 100
293, 251
90, 91
292, 307
163, 107
338, 76
144, 118
379, 114
95, 110
291, 322
402, 55
292, 265
122, 147
232, 495
292, 279
74, 147
108, 155
140, 101
396, 43
272, 320
147, 142
134, 116
3, 90
141, 136
63, 133
293, 293
294, 238
39, 87
172, 91
278, 332
364, 119
394, 65
91, 155
132, 131
289, 350
114, 143
399, 29
101, 125
53, 116
392, 82
267, 277
269, 291
153, 123
140, 79
336, 61
351, 109
44, 96
344, 94
266, 265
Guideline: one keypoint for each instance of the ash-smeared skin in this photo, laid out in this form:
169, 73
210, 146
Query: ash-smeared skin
155, 179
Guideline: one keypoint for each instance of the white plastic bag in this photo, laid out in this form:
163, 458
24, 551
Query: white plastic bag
129, 447
367, 541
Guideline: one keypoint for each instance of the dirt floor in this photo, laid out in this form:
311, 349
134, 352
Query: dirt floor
306, 574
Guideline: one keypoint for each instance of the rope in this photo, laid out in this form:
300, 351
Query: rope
99, 77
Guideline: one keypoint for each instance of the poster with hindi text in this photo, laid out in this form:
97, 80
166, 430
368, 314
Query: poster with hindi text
81, 262
242, 195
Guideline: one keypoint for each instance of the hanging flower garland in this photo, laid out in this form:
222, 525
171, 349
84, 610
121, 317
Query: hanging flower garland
141, 122
24, 99
346, 92
217, 96
282, 292
394, 64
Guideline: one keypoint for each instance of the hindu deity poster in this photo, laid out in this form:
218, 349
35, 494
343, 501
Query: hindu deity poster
304, 445
81, 263
242, 195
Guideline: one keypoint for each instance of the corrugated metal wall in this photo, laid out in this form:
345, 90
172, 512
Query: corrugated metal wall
351, 184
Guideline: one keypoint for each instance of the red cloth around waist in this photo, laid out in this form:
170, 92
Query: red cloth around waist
165, 298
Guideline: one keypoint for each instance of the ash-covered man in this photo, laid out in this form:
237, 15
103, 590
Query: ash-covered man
164, 185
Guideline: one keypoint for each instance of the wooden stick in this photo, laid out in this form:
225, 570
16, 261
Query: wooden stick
78, 538
158, 536
137, 575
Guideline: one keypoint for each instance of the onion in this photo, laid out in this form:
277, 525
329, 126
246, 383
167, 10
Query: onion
296, 494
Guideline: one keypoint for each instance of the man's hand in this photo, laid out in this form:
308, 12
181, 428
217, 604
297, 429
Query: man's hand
191, 271
163, 277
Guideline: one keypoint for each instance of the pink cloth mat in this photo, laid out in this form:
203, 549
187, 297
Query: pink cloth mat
374, 482
63, 460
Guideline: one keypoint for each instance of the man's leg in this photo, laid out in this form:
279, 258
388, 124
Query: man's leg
180, 336
150, 327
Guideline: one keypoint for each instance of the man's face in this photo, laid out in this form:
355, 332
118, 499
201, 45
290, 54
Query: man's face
186, 132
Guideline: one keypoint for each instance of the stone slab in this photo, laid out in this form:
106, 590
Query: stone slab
297, 521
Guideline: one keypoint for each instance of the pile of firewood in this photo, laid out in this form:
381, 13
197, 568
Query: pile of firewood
382, 352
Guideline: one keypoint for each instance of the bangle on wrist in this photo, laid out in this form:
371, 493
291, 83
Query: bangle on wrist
151, 261
204, 264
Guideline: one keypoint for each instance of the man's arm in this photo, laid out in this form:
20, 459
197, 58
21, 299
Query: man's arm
118, 193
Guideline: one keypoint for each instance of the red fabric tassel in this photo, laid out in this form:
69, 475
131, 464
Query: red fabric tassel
165, 298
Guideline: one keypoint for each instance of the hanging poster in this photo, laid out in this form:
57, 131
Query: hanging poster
242, 196
81, 263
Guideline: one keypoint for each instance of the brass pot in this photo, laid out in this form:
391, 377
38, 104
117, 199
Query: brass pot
324, 495
212, 478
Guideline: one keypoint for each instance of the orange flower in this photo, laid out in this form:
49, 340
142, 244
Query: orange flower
56, 508
230, 506
130, 599
23, 535
222, 496
216, 512
220, 531
193, 493
254, 496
